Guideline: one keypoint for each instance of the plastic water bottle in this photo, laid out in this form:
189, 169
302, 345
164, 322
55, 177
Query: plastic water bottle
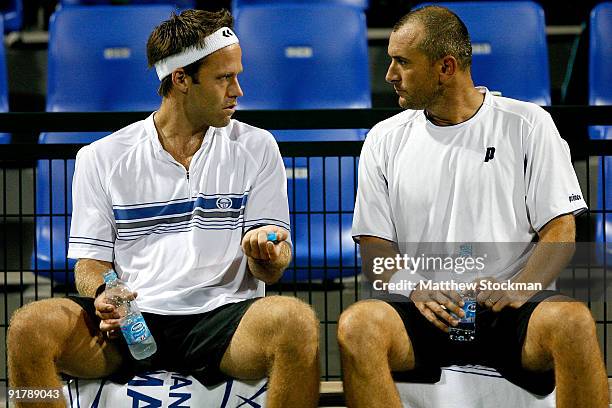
466, 329
133, 326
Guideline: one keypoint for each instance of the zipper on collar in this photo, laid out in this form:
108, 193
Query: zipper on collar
189, 194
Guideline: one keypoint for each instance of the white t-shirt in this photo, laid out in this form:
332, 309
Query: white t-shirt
174, 236
498, 177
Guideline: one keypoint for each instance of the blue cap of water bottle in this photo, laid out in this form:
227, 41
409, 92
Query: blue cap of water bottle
110, 275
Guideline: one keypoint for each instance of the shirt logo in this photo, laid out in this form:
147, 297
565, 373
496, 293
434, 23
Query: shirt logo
574, 197
224, 203
489, 154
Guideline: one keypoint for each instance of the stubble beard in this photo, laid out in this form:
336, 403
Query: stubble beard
421, 99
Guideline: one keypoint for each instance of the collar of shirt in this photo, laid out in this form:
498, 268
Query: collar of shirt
158, 149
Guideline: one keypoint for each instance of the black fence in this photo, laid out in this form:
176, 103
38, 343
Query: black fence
35, 209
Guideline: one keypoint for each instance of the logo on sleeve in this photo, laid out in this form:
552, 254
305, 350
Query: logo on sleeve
489, 154
575, 197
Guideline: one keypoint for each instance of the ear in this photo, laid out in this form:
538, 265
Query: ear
180, 80
448, 67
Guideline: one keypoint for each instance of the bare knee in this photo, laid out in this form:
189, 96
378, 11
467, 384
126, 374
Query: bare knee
371, 333
563, 324
363, 328
558, 331
293, 327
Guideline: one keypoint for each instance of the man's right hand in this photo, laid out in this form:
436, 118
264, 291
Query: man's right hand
109, 316
437, 305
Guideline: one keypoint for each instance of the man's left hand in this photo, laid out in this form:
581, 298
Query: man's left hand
255, 243
496, 300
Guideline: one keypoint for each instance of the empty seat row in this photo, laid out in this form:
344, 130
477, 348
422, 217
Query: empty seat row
181, 4
362, 4
12, 10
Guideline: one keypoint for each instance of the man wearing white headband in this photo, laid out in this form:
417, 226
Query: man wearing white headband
190, 208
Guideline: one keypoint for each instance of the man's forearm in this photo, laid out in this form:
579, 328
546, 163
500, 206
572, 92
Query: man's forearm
375, 248
271, 272
551, 254
374, 255
546, 263
89, 275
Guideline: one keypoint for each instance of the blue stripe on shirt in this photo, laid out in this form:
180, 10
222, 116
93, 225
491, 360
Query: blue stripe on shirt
222, 202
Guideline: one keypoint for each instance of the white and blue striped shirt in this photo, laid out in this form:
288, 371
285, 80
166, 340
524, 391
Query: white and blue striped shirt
174, 236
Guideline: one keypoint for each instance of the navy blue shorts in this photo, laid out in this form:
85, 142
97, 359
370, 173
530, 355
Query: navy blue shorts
499, 344
190, 344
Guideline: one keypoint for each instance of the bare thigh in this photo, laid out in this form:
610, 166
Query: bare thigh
269, 322
62, 330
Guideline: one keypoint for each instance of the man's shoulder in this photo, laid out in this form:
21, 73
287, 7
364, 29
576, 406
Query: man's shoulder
248, 135
398, 122
113, 146
517, 109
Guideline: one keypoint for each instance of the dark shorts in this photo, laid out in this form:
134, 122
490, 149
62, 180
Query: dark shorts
189, 344
499, 344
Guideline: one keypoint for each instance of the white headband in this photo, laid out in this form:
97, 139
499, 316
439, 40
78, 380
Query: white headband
214, 42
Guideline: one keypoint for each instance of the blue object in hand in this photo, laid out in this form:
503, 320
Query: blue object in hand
272, 236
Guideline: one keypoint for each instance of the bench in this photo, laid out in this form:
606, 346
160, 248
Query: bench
459, 387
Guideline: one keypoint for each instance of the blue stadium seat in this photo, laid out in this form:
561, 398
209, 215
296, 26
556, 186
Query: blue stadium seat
12, 13
4, 106
180, 4
600, 93
361, 4
298, 56
509, 48
88, 70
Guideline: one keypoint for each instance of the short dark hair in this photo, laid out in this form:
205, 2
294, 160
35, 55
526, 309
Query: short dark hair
188, 29
445, 34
